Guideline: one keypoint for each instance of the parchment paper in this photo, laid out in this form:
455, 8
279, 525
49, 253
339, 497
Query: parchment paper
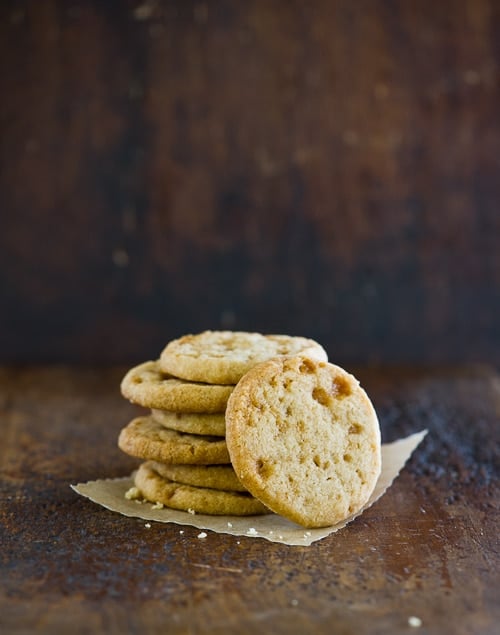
110, 493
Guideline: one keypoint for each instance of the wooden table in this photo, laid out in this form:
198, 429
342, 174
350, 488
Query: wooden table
428, 549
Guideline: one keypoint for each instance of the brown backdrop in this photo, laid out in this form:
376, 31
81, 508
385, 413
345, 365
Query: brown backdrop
329, 169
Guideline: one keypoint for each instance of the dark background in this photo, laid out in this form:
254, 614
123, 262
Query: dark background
329, 169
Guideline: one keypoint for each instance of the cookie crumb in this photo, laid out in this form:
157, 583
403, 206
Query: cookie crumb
415, 622
158, 505
202, 534
229, 524
132, 494
252, 531
191, 511
148, 525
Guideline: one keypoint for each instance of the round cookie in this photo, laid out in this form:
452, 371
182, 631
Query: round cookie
147, 439
212, 476
192, 423
148, 386
304, 439
223, 357
201, 500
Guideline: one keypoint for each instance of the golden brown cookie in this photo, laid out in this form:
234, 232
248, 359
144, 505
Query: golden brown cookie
201, 500
148, 386
212, 476
147, 439
192, 422
304, 439
223, 357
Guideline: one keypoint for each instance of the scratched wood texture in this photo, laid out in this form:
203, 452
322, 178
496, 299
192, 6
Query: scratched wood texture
428, 548
327, 169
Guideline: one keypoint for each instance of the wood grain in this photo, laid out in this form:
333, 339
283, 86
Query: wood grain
428, 548
329, 171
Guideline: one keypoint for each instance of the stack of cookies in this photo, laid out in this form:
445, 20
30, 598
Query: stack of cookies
182, 440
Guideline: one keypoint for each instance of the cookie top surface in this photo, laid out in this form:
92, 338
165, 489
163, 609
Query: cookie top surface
223, 357
304, 439
211, 476
146, 385
192, 423
145, 438
202, 500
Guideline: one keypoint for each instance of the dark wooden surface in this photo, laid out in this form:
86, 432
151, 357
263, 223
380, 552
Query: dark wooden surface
428, 548
326, 170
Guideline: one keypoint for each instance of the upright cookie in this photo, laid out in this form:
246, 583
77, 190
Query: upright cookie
223, 357
146, 385
192, 422
145, 438
201, 500
304, 439
211, 476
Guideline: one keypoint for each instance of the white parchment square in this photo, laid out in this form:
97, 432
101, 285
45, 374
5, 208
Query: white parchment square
110, 493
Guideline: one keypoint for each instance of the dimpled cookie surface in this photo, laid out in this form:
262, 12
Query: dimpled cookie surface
212, 476
304, 439
192, 423
147, 385
145, 438
202, 500
223, 357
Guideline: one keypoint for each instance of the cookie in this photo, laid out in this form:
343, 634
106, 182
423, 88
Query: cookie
192, 423
223, 357
212, 476
146, 385
304, 439
201, 500
145, 438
